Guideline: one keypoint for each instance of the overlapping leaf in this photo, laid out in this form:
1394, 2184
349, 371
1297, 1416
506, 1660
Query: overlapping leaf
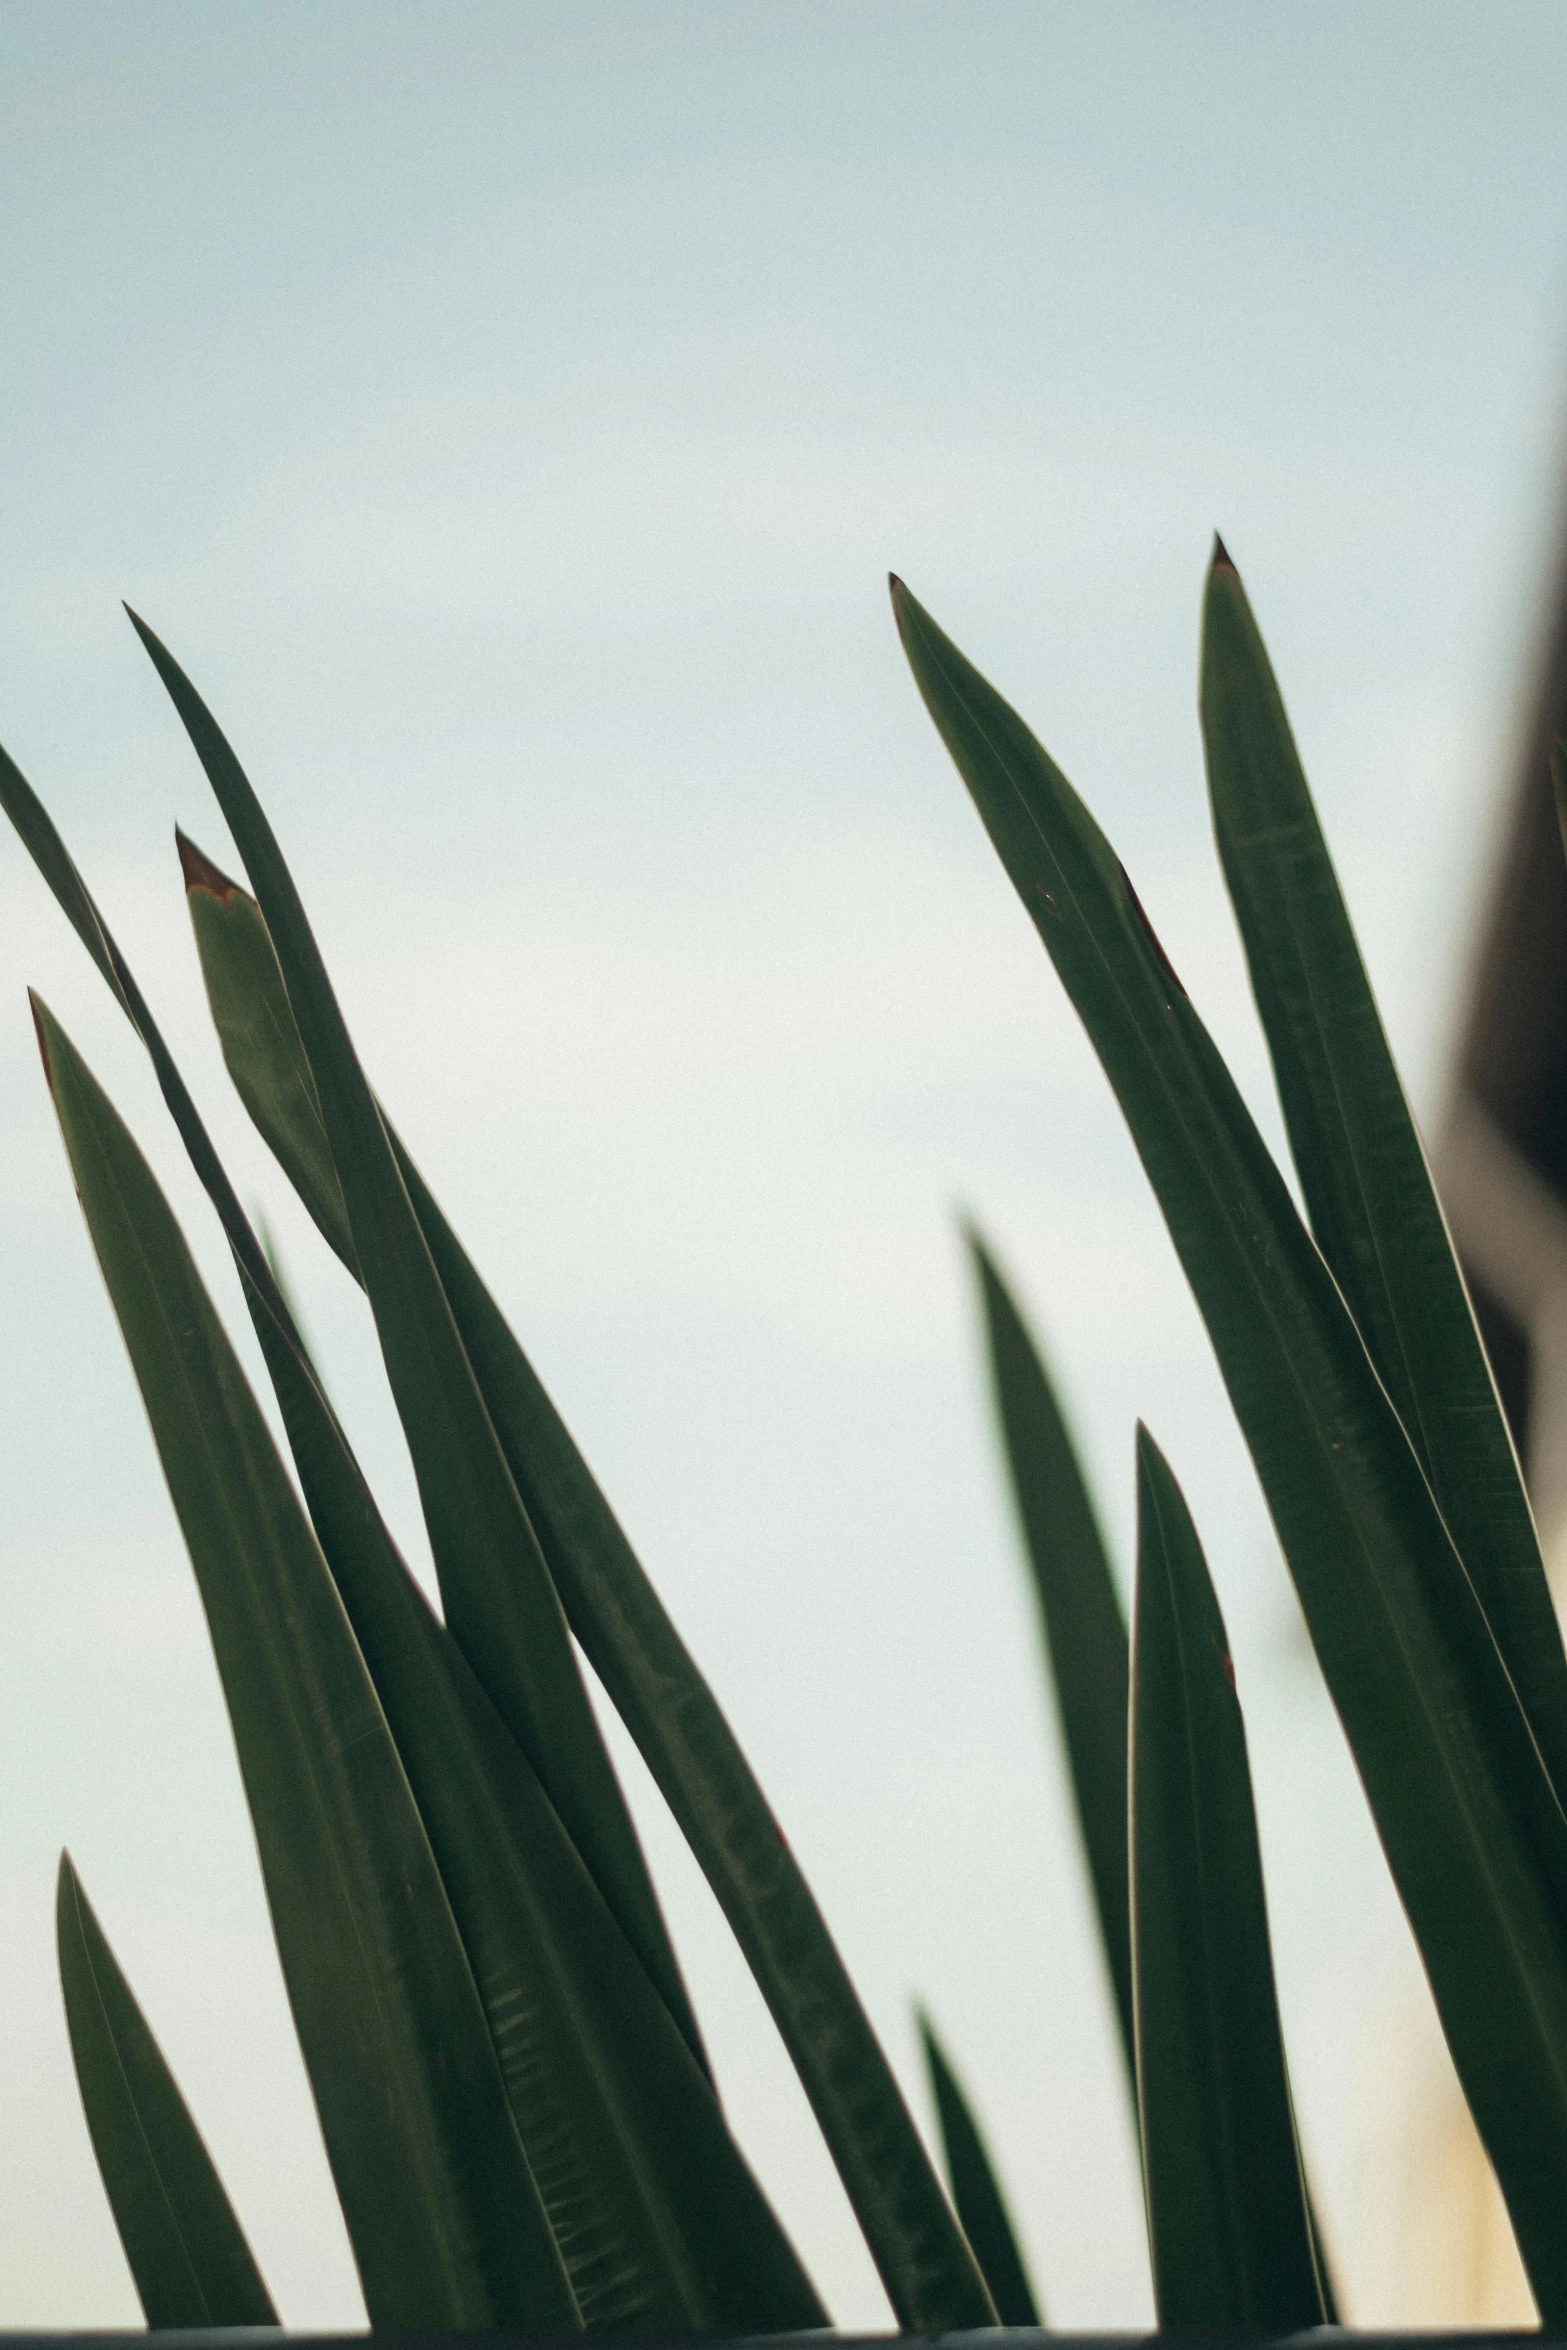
1467, 1815
278, 1089
705, 1778
658, 2218
1368, 1190
186, 2250
499, 1601
615, 1613
655, 2209
1085, 1633
1227, 2222
442, 2210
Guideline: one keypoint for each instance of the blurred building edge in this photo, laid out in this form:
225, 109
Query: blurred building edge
1502, 1156
1501, 1165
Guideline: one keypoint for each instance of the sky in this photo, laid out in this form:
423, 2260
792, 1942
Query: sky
509, 415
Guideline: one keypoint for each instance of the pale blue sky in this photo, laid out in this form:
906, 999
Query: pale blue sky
510, 415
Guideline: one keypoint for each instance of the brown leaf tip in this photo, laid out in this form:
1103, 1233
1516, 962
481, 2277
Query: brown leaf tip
201, 873
1221, 555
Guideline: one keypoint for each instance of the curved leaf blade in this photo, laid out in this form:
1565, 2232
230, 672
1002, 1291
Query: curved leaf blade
688, 2239
1227, 2222
649, 1675
265, 1054
1085, 1632
1466, 1812
659, 2220
499, 1601
660, 1694
976, 2190
186, 2251
35, 828
1079, 1611
1368, 1190
442, 2211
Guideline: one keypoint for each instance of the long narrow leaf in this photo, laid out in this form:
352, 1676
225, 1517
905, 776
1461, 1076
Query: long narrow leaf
1079, 1611
929, 2273
655, 2209
684, 1738
1368, 1190
1468, 1819
186, 2250
976, 2191
659, 2220
499, 1600
265, 1054
1085, 1634
1227, 2219
442, 2211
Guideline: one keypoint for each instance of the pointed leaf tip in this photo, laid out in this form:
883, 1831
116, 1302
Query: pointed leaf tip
156, 650
1149, 932
968, 1230
41, 1016
1221, 559
199, 870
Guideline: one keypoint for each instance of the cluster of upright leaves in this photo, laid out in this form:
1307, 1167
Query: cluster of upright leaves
1352, 1359
512, 2088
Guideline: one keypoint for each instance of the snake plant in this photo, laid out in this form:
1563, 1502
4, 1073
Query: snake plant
513, 2090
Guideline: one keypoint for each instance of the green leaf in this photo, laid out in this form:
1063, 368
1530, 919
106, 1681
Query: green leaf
976, 2191
921, 2256
442, 2211
1368, 1191
1079, 1611
659, 2220
268, 1307
1085, 1633
1226, 2211
1468, 1819
653, 2204
187, 2252
499, 1601
267, 1064
637, 1654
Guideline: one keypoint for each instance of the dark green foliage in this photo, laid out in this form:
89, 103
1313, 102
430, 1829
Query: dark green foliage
1226, 2211
1468, 1818
500, 1604
1079, 1610
442, 2211
510, 2078
638, 1655
1086, 1645
187, 2252
976, 2191
1368, 1191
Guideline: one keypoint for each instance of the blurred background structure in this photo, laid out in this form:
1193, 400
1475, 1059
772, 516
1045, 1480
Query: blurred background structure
1501, 1159
508, 410
1500, 1154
